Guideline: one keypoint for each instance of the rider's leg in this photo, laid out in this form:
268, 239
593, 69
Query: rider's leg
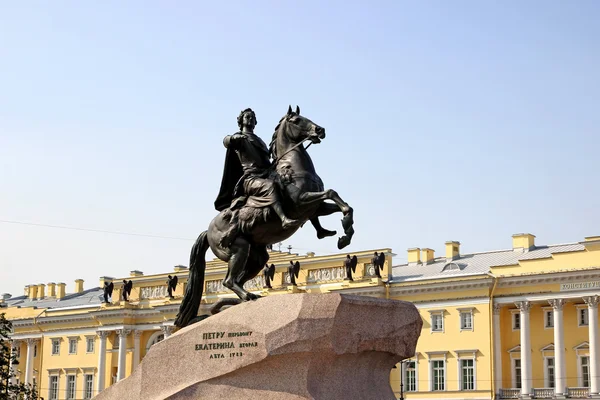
285, 221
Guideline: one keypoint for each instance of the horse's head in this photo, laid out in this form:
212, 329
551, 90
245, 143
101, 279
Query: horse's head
300, 128
293, 129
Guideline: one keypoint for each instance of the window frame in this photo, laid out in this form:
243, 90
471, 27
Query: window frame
461, 376
516, 380
415, 373
88, 340
581, 377
51, 390
583, 309
88, 389
432, 371
548, 317
549, 380
55, 345
73, 341
436, 314
72, 392
516, 316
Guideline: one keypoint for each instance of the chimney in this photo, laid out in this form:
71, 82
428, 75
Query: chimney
3, 298
180, 268
310, 254
136, 273
78, 285
26, 290
414, 256
452, 250
52, 289
33, 289
103, 279
523, 242
428, 255
41, 291
60, 292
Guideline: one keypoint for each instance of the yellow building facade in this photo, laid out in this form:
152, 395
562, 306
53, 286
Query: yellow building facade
520, 322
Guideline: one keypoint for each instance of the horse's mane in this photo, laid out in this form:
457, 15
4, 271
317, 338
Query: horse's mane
273, 144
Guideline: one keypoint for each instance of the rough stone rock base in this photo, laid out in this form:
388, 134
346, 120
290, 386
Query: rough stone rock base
289, 347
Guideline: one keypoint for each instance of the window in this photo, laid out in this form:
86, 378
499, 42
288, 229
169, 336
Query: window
157, 339
70, 387
18, 351
89, 347
437, 367
410, 377
550, 372
437, 322
466, 320
583, 317
53, 392
516, 321
55, 347
548, 319
517, 366
72, 346
585, 371
35, 351
467, 374
89, 386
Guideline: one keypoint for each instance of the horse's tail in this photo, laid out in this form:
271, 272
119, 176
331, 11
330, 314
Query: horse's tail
188, 310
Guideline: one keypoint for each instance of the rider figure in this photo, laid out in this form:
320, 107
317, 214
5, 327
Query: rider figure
247, 177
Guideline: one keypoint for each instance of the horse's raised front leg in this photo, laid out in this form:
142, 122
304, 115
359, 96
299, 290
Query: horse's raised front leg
347, 221
323, 210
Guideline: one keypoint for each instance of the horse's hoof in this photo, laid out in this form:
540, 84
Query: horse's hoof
343, 242
251, 296
323, 233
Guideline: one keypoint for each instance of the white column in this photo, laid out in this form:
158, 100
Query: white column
560, 368
592, 302
101, 361
497, 349
29, 363
123, 333
524, 307
167, 330
136, 348
12, 373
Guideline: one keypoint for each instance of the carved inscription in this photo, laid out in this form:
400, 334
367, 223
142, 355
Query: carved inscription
153, 292
256, 283
223, 345
215, 286
327, 274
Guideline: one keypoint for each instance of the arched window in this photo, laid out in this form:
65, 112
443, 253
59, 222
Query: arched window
156, 337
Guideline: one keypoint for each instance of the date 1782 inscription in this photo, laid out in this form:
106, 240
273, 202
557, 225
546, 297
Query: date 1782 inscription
222, 341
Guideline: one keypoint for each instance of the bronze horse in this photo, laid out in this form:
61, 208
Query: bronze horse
303, 199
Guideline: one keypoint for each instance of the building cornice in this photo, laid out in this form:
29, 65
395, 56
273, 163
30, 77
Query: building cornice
469, 284
549, 277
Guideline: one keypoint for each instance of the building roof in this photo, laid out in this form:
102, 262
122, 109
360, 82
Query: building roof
475, 263
87, 297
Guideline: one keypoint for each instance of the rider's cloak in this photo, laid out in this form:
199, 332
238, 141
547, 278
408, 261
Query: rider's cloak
232, 172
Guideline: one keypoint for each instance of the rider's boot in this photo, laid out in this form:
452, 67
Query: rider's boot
285, 221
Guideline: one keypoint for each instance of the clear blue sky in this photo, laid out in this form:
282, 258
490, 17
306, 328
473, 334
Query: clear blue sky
462, 120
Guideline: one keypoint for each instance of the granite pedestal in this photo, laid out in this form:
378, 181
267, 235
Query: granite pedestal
294, 346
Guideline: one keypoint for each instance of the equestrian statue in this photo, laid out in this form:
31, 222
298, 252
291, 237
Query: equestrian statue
266, 195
